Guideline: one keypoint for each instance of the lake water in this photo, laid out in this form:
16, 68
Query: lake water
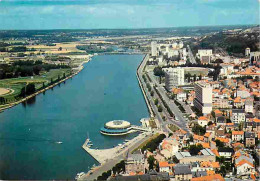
106, 89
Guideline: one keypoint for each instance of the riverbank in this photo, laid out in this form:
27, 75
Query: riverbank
78, 70
138, 74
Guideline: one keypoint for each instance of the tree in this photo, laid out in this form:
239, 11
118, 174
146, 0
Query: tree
151, 162
195, 149
152, 93
23, 93
194, 77
174, 159
219, 144
200, 77
160, 108
30, 89
156, 101
199, 130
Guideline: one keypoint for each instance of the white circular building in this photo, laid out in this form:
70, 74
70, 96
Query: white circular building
116, 127
117, 124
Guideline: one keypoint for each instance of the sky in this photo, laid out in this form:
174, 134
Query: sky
111, 14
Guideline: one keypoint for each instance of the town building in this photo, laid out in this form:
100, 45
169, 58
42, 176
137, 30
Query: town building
174, 77
237, 135
182, 172
154, 48
203, 97
249, 139
247, 52
135, 163
238, 116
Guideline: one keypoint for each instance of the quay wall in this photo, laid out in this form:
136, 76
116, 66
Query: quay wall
140, 69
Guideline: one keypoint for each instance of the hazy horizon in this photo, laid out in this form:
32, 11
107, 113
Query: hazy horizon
121, 14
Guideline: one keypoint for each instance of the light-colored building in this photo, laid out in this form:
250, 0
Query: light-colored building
254, 57
135, 163
237, 135
205, 52
238, 116
154, 48
249, 106
204, 55
203, 97
174, 77
247, 52
203, 121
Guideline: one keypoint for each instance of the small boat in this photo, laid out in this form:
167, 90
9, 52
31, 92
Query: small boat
79, 175
90, 145
58, 142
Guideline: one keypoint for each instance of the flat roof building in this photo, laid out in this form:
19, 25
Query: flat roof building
174, 77
203, 97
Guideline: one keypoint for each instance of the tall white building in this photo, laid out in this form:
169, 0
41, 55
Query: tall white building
174, 77
181, 44
154, 48
203, 97
247, 52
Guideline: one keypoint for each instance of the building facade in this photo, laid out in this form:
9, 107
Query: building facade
174, 77
203, 97
154, 48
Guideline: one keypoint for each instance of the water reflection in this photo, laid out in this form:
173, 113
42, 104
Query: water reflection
31, 101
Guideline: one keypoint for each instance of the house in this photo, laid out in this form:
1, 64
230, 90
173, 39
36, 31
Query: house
203, 121
244, 167
237, 135
214, 177
135, 163
230, 127
238, 116
166, 167
238, 103
220, 131
226, 141
252, 125
208, 136
197, 138
218, 113
182, 172
170, 144
221, 121
152, 175
226, 152
249, 106
249, 139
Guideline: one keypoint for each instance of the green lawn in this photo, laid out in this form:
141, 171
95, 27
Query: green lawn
18, 83
173, 128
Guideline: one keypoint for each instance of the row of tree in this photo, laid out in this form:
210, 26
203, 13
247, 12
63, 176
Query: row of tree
26, 68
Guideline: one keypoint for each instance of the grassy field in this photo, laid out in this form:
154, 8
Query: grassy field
16, 84
147, 141
197, 71
173, 128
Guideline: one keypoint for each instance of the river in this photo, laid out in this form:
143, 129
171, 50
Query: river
106, 89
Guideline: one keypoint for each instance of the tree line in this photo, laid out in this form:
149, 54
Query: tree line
26, 68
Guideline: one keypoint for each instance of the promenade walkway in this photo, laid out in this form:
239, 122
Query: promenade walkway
110, 157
